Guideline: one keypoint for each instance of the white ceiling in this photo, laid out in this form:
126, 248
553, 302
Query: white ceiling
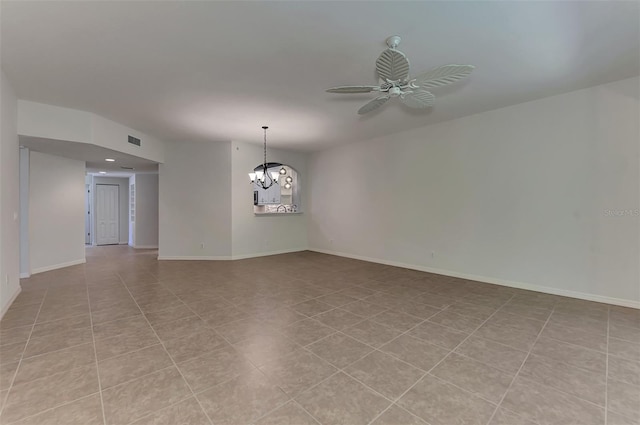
217, 71
94, 156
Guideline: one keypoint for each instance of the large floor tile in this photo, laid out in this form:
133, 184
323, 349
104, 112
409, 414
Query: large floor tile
58, 341
11, 353
570, 354
395, 415
477, 378
624, 332
125, 343
312, 307
214, 368
85, 411
265, 348
194, 344
624, 398
624, 370
134, 399
339, 349
385, 374
414, 351
513, 337
35, 396
339, 319
7, 373
289, 414
372, 333
506, 417
179, 311
629, 350
342, 400
179, 328
117, 370
438, 335
118, 327
456, 321
545, 405
397, 320
187, 412
594, 341
297, 371
587, 385
55, 362
307, 331
241, 400
15, 335
493, 354
440, 403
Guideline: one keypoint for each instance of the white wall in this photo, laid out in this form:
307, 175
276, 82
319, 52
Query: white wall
9, 196
25, 268
268, 234
123, 205
56, 212
543, 195
195, 201
55, 122
146, 210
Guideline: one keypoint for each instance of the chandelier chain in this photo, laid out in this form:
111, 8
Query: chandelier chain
265, 149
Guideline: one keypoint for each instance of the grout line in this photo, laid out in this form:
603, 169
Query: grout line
193, 394
520, 368
452, 350
95, 355
52, 408
294, 401
35, 320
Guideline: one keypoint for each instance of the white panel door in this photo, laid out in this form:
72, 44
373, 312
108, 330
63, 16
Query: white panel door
107, 220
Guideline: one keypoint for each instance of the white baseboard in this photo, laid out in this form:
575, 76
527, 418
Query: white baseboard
266, 254
502, 282
193, 258
228, 257
11, 300
25, 275
145, 246
58, 266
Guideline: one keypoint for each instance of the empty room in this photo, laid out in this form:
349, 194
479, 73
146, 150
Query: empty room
320, 213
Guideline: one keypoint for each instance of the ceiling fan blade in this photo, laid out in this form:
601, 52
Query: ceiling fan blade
418, 99
374, 104
353, 89
392, 65
443, 75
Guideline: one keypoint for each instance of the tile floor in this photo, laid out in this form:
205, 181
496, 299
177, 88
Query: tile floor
307, 338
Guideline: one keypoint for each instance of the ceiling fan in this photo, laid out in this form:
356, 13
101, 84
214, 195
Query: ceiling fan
393, 69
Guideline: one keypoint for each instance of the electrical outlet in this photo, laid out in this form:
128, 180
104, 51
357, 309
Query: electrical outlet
202, 245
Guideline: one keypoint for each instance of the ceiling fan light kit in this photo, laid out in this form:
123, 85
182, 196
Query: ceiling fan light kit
392, 67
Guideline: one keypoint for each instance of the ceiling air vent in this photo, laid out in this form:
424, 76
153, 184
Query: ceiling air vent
127, 168
134, 140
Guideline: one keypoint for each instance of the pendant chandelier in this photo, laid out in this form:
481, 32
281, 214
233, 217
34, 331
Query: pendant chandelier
261, 176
